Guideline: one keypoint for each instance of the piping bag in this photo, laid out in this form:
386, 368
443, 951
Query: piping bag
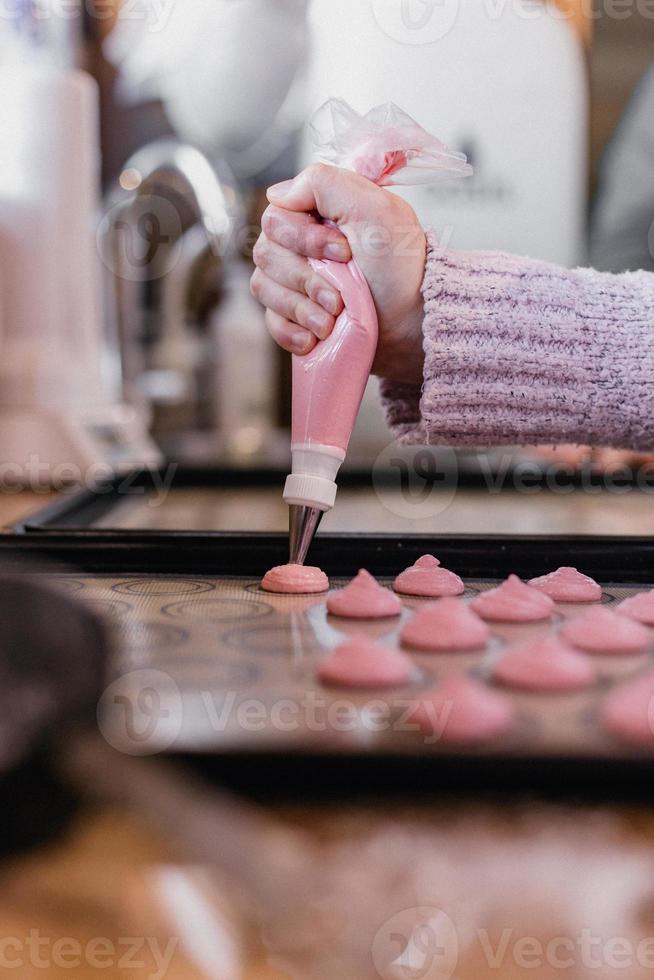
387, 147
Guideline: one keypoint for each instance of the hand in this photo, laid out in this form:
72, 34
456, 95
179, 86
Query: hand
377, 228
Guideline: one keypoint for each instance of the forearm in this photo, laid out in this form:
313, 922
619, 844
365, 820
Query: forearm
519, 351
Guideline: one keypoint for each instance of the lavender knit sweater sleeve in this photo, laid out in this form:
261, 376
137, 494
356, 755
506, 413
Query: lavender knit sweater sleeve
519, 351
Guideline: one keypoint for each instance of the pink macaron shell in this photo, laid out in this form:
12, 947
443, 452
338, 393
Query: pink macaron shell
447, 624
601, 630
628, 711
364, 598
544, 665
462, 711
567, 584
366, 664
295, 580
427, 578
513, 602
639, 607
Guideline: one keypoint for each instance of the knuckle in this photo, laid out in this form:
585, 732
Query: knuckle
313, 284
256, 283
261, 252
313, 239
318, 172
301, 275
269, 219
296, 309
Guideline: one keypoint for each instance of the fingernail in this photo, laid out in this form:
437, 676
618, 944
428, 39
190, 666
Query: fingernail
320, 324
329, 300
280, 191
338, 251
300, 342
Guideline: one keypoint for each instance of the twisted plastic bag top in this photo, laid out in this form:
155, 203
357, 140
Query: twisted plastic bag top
386, 145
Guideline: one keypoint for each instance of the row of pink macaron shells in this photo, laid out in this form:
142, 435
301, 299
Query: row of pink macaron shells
452, 625
549, 664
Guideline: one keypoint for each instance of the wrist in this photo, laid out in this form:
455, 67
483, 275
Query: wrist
401, 356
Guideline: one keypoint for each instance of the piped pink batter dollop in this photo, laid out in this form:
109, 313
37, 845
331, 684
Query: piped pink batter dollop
544, 665
364, 598
448, 624
463, 711
640, 607
602, 631
428, 578
567, 584
364, 663
295, 580
628, 712
513, 602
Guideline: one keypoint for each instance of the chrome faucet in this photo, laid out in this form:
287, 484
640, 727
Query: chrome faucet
170, 212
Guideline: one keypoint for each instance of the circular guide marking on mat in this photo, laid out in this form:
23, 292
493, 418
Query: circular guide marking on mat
163, 586
216, 610
65, 583
145, 637
113, 608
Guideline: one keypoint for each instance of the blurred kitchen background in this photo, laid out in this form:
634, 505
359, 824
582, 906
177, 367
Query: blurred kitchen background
137, 340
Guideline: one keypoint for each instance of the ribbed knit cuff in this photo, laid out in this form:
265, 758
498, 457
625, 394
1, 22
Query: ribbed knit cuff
519, 351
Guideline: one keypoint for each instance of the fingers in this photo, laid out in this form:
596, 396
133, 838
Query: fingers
294, 272
331, 191
291, 305
289, 335
305, 235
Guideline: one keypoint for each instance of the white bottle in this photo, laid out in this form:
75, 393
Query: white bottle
60, 411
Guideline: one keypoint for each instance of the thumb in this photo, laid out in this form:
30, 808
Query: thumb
338, 195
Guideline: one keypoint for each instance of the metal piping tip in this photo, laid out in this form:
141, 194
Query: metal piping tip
302, 525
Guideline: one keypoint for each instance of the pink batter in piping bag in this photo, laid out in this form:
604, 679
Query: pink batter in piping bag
387, 147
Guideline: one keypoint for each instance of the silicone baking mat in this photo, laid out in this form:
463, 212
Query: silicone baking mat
234, 670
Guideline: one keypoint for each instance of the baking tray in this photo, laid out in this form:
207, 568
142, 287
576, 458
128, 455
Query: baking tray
159, 590
80, 510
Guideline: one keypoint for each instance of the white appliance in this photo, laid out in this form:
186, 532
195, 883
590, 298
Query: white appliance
503, 81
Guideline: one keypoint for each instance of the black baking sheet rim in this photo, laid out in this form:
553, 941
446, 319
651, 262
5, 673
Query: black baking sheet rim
63, 533
306, 776
610, 560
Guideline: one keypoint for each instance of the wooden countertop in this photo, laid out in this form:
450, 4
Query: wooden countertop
15, 506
